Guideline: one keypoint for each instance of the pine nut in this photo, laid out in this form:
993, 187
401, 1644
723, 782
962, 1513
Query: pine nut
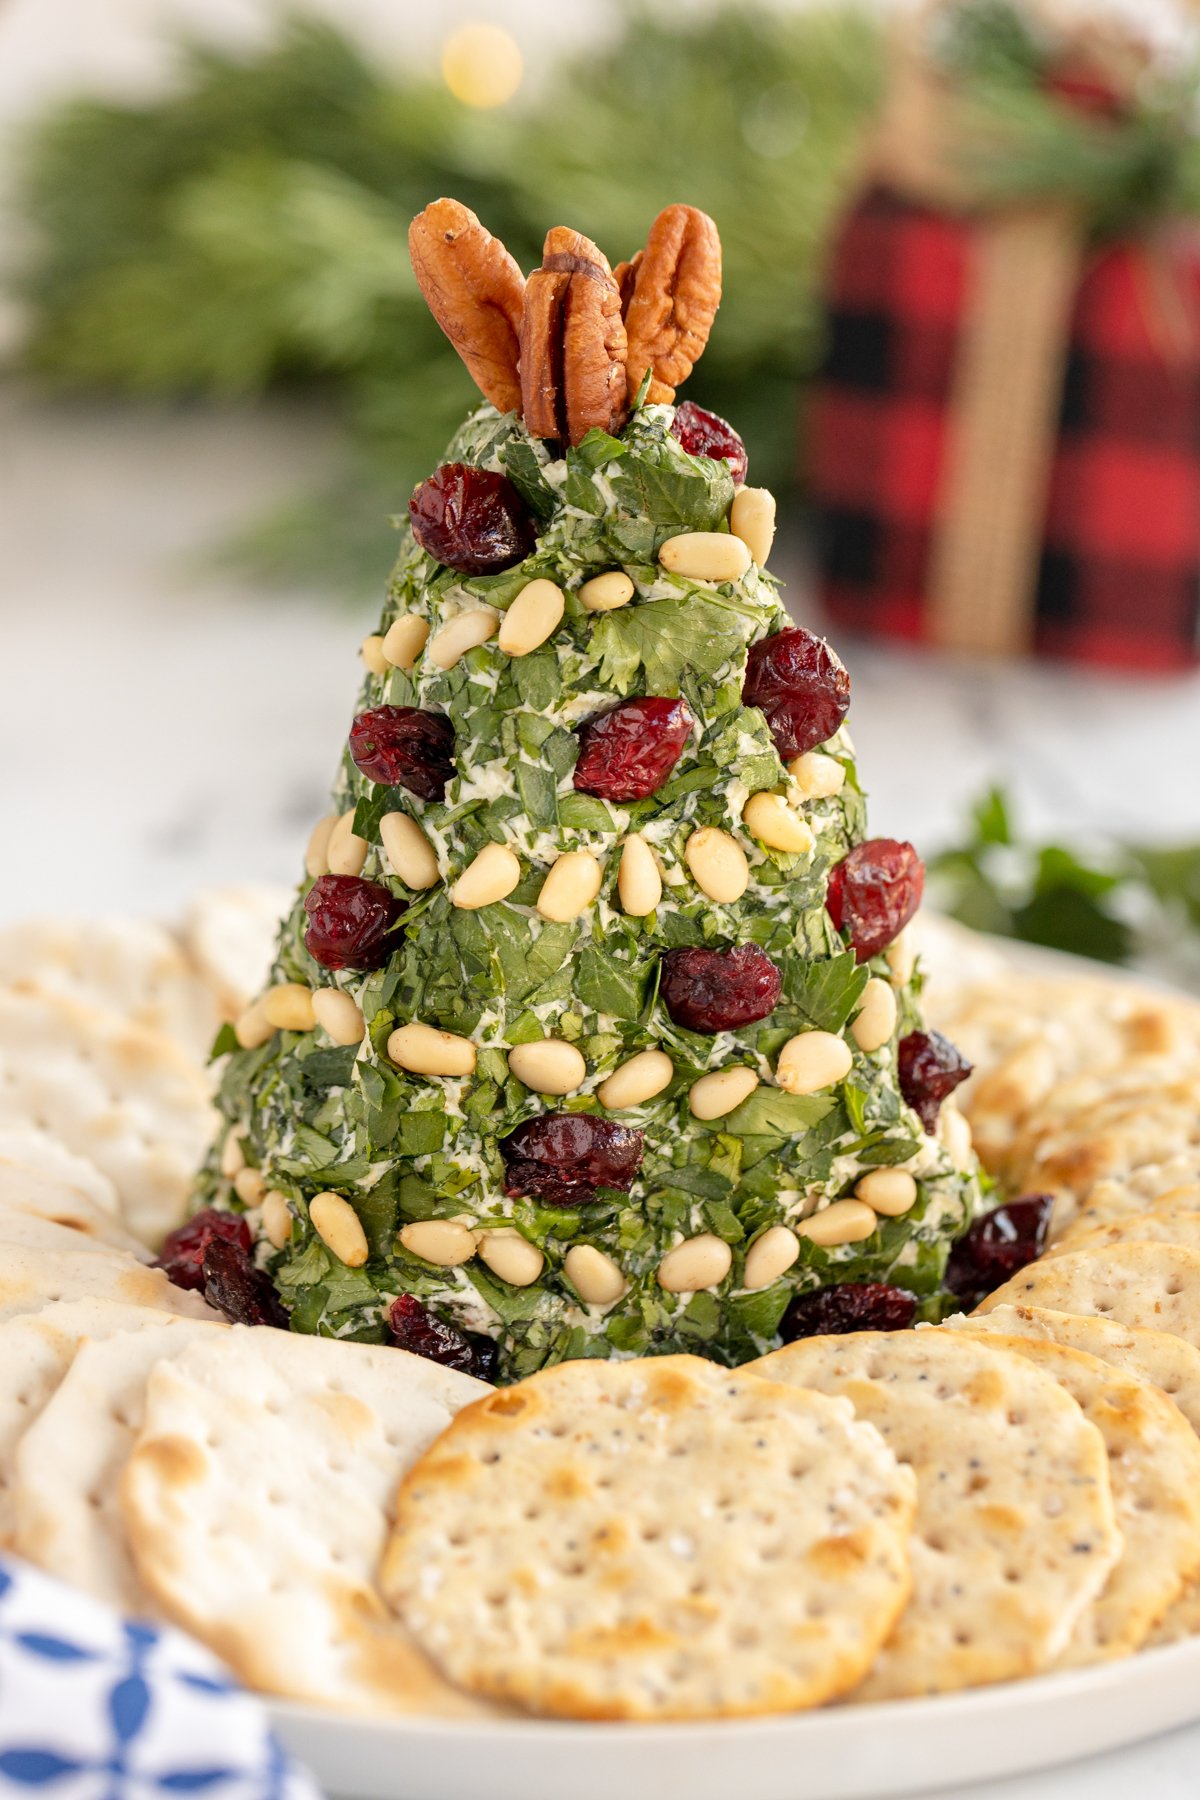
316, 855
770, 819
347, 851
718, 864
339, 1016
252, 1028
819, 777
289, 1007
604, 593
639, 880
705, 556
901, 956
404, 640
719, 1093
769, 1257
845, 1222
339, 1228
371, 652
534, 615
442, 1241
595, 1277
233, 1157
465, 631
249, 1185
954, 1130
812, 1061
752, 518
548, 1066
699, 1262
491, 876
636, 1081
570, 887
891, 1192
276, 1218
875, 1019
513, 1258
423, 1050
409, 852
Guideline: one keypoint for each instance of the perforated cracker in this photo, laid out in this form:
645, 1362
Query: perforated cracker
31, 1278
1015, 1533
653, 1540
256, 1503
66, 1216
1154, 1286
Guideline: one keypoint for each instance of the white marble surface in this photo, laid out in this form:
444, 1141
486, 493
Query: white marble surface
162, 727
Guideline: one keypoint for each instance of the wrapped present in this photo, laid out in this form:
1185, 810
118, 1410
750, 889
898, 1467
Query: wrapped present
1005, 437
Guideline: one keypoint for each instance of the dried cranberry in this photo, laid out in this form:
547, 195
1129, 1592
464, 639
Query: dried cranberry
930, 1067
182, 1256
707, 434
873, 893
401, 746
236, 1288
349, 921
719, 990
472, 520
852, 1306
998, 1245
415, 1329
628, 752
797, 682
563, 1158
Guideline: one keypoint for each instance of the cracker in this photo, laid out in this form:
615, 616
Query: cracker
27, 1198
1110, 1201
35, 1353
1154, 1286
652, 1540
31, 1278
1154, 1469
1156, 1225
1167, 1361
1015, 1534
43, 1154
64, 1493
128, 1099
229, 935
256, 1503
32, 1230
128, 966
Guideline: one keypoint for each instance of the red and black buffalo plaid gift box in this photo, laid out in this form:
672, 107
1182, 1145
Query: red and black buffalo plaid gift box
1005, 434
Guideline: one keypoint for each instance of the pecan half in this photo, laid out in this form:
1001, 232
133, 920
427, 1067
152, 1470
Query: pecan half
675, 289
476, 293
572, 342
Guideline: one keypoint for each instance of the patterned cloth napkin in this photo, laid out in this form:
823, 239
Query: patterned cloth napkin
96, 1707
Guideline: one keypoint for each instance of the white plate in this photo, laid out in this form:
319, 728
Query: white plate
841, 1753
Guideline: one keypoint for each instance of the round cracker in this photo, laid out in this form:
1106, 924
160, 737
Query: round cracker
1156, 1225
33, 1277
1015, 1533
1111, 1201
27, 1198
1154, 1286
1154, 1469
128, 1099
127, 966
42, 1154
256, 1506
230, 935
1160, 1358
653, 1540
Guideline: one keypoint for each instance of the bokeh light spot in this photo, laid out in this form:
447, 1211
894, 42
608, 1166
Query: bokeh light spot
482, 65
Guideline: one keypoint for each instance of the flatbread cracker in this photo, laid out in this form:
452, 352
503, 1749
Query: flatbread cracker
256, 1503
30, 1230
229, 935
1015, 1534
1167, 1361
36, 1350
41, 1153
1154, 1286
652, 1540
65, 1498
41, 1199
127, 1098
128, 966
31, 1278
1154, 1468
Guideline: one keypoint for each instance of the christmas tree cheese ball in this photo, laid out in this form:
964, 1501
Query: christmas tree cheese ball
592, 1030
